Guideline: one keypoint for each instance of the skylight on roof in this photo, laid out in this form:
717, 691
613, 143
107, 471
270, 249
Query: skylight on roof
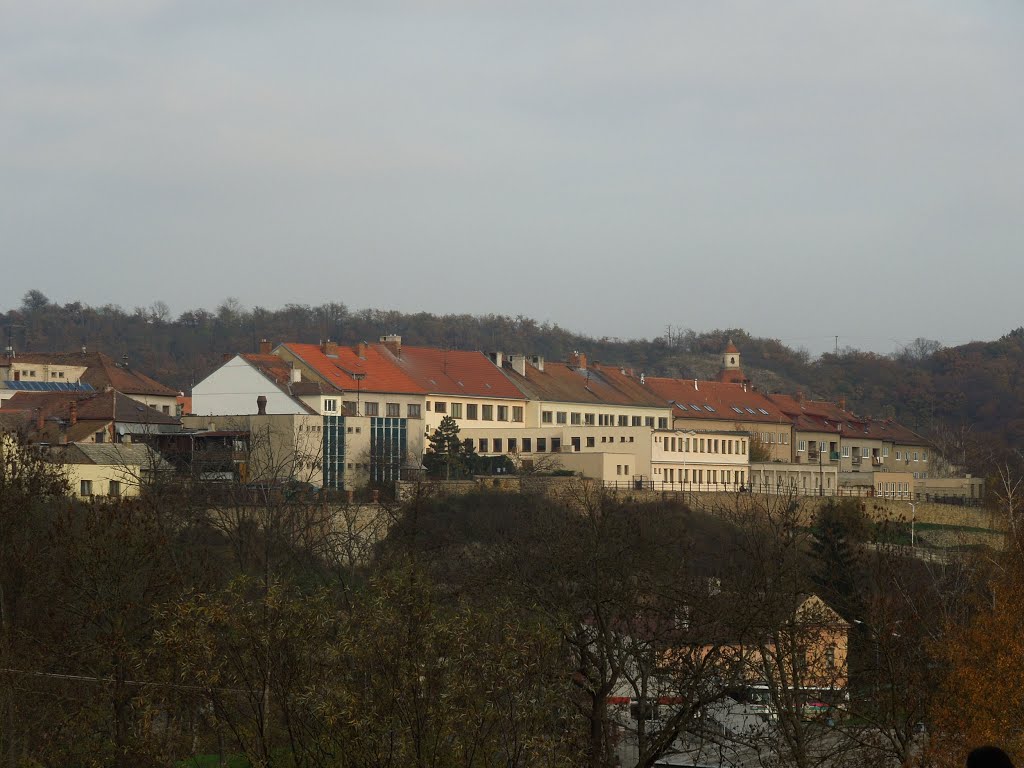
751, 410
695, 406
762, 410
682, 407
709, 409
738, 410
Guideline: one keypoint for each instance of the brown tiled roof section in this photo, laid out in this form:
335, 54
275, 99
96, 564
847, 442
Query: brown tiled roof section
453, 372
102, 371
382, 373
563, 382
691, 400
823, 416
110, 405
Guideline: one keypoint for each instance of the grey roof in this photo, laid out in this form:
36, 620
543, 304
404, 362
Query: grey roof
113, 454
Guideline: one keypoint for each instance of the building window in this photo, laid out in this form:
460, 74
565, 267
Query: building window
576, 419
546, 417
517, 413
115, 488
801, 446
623, 421
915, 455
527, 445
456, 411
330, 405
428, 405
885, 451
542, 444
512, 445
556, 444
924, 456
897, 455
488, 412
590, 442
636, 421
167, 410
372, 409
85, 488
483, 445
589, 419
440, 407
662, 422
413, 410
393, 410
648, 421
846, 451
618, 469
560, 417
471, 409
497, 445
502, 413
100, 436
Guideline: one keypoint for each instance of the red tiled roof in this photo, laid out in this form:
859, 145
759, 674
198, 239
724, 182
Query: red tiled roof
730, 348
382, 374
452, 372
691, 400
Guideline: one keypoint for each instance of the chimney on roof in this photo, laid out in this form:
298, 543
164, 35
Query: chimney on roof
497, 358
799, 396
537, 361
261, 405
295, 375
361, 350
518, 363
393, 342
265, 347
74, 412
842, 403
329, 348
581, 360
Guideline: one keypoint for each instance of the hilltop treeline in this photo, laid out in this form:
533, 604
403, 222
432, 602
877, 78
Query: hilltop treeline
968, 399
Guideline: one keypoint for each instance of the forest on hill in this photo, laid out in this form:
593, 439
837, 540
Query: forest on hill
968, 399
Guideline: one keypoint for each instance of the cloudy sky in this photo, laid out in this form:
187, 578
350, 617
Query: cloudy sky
799, 169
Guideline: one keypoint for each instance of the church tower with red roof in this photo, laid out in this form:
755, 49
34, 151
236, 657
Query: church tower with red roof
731, 372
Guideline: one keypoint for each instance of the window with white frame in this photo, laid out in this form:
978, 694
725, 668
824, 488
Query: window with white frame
801, 446
846, 451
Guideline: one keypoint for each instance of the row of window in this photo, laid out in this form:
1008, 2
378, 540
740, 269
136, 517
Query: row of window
577, 419
477, 412
699, 476
522, 444
372, 408
771, 438
703, 445
113, 488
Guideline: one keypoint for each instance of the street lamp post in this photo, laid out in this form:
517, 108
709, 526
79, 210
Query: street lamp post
913, 518
359, 379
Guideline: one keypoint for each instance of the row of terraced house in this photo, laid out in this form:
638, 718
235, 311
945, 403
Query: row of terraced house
340, 417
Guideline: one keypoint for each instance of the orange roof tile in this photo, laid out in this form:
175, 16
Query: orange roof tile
693, 399
452, 372
382, 373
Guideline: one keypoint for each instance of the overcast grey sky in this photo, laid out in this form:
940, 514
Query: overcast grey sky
799, 169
